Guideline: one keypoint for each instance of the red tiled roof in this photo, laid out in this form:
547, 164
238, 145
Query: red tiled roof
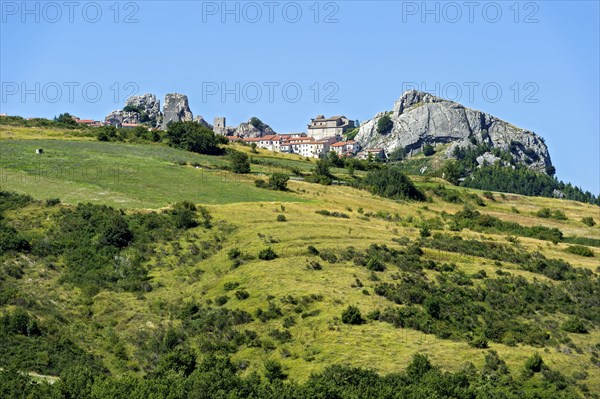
339, 144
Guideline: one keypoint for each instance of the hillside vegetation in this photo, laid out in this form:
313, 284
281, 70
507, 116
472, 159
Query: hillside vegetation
141, 270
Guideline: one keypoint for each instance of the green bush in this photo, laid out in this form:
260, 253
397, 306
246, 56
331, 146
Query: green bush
588, 221
478, 341
351, 315
184, 215
192, 136
392, 183
580, 250
274, 371
267, 254
242, 294
574, 325
384, 124
221, 300
278, 181
534, 363
428, 150
281, 218
375, 265
52, 201
240, 162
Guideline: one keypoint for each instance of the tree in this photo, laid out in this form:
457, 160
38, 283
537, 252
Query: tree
278, 181
384, 124
240, 162
352, 316
193, 137
335, 160
397, 155
451, 172
66, 119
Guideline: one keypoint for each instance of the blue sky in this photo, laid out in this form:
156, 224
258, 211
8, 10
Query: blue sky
534, 64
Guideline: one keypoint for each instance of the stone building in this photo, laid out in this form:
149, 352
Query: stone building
321, 127
219, 126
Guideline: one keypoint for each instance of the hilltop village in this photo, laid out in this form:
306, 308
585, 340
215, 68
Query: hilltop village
323, 134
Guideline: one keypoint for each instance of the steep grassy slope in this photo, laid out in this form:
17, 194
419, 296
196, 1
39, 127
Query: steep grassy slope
195, 266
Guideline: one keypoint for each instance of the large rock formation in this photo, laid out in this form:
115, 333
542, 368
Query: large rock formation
253, 128
200, 120
419, 118
148, 104
119, 117
176, 109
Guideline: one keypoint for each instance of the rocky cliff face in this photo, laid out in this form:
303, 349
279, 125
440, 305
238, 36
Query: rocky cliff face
419, 118
118, 117
176, 109
147, 103
251, 129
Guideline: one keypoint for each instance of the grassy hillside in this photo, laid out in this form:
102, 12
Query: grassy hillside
198, 277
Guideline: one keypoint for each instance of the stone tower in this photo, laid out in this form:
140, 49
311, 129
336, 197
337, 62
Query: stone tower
219, 126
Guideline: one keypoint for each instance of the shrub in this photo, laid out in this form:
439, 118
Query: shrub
352, 316
234, 253
534, 363
52, 201
397, 154
321, 173
274, 371
574, 325
221, 300
314, 265
428, 150
425, 232
312, 250
375, 265
281, 218
392, 183
184, 215
384, 124
193, 137
547, 213
580, 250
278, 181
588, 221
242, 294
267, 254
260, 183
206, 217
479, 342
230, 285
240, 163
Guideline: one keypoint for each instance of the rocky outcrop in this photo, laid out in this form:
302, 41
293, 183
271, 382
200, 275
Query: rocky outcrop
119, 117
253, 128
176, 109
420, 118
148, 105
199, 119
